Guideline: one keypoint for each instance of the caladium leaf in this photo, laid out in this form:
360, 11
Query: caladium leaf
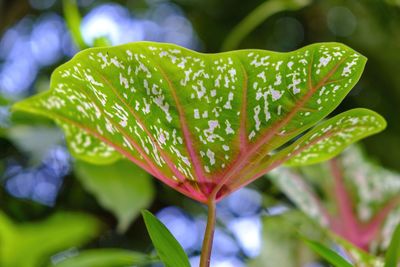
331, 137
196, 121
298, 190
373, 193
325, 141
285, 229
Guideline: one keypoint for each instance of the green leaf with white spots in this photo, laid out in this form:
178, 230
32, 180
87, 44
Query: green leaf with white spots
373, 190
198, 122
298, 190
331, 137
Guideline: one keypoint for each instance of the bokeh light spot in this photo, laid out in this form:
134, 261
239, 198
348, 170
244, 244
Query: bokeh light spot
341, 21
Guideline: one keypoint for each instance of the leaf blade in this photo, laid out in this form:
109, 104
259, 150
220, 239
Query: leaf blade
392, 256
122, 188
38, 241
168, 248
134, 100
328, 254
105, 258
337, 133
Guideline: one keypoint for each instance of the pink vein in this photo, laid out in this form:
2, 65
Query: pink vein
169, 162
129, 156
240, 161
370, 230
275, 162
314, 197
348, 222
243, 113
137, 147
185, 130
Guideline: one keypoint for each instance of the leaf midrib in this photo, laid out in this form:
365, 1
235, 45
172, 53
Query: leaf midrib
237, 164
151, 168
278, 161
169, 162
188, 140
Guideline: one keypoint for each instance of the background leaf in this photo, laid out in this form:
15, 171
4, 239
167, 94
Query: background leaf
361, 257
257, 16
73, 19
284, 230
30, 245
373, 191
328, 254
295, 186
392, 257
122, 188
105, 258
35, 141
168, 249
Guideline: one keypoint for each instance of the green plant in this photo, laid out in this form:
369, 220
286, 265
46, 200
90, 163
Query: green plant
31, 244
392, 255
358, 199
257, 16
206, 124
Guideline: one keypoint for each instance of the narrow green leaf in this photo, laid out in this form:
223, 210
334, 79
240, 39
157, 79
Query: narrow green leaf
392, 257
31, 245
106, 258
331, 137
257, 16
329, 255
362, 257
122, 187
195, 121
168, 249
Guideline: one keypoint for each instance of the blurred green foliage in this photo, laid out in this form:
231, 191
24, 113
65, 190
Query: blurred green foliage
122, 187
31, 244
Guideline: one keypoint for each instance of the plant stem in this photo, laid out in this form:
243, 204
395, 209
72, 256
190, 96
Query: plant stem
73, 19
208, 234
257, 16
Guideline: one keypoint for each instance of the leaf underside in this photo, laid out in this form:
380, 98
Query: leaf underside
195, 121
